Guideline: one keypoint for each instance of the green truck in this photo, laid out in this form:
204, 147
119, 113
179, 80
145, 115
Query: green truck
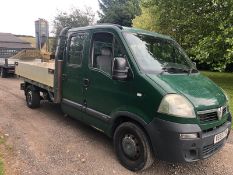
138, 87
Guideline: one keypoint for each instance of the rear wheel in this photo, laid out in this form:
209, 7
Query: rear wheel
32, 97
132, 147
3, 73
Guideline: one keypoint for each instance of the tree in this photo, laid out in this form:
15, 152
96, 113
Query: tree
216, 48
118, 11
75, 18
146, 21
202, 27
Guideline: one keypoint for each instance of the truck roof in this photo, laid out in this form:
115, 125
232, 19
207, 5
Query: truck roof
120, 28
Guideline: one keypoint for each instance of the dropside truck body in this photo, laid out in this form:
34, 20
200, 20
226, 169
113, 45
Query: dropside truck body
7, 64
139, 88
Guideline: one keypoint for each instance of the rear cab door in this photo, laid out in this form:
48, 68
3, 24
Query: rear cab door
73, 73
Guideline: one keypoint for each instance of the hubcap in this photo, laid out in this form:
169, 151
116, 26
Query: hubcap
130, 146
29, 97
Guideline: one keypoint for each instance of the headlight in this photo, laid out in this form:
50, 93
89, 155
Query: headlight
227, 103
177, 105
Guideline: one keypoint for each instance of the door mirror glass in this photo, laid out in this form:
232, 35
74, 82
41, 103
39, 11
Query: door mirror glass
119, 69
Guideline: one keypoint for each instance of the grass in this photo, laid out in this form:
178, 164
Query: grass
225, 81
1, 168
2, 141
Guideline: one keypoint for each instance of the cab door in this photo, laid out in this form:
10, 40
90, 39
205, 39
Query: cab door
103, 94
73, 74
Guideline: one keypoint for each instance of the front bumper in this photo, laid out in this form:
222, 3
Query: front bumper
167, 145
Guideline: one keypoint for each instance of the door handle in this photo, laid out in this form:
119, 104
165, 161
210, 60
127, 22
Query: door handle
86, 82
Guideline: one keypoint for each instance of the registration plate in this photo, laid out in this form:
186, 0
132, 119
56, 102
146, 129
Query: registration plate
220, 136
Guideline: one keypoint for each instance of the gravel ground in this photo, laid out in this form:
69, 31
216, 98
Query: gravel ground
44, 141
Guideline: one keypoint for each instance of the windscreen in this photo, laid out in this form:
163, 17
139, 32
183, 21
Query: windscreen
156, 54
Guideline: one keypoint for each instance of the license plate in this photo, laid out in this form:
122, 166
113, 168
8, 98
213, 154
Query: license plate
220, 136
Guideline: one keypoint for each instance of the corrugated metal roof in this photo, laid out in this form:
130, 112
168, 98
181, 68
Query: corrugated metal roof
8, 40
15, 45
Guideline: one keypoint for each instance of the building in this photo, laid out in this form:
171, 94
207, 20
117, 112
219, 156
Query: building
11, 45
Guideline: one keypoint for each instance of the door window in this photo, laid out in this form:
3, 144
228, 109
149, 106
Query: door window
102, 52
104, 48
76, 47
118, 50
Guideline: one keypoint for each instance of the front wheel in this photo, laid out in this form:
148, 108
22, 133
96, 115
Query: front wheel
32, 97
132, 147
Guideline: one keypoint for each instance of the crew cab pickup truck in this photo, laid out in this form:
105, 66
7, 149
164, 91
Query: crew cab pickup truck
138, 87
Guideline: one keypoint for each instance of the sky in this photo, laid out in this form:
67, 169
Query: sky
18, 16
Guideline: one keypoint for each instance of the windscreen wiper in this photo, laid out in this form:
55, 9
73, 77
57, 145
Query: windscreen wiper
190, 71
173, 70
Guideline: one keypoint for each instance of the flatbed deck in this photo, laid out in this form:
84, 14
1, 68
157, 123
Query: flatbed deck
40, 72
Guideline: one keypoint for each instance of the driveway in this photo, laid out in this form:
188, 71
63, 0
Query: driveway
45, 141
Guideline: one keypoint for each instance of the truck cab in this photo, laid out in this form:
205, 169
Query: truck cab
139, 88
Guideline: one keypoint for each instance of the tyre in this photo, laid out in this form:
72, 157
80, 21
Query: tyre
32, 97
132, 147
3, 73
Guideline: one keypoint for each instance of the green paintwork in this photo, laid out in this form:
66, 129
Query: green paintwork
109, 96
201, 91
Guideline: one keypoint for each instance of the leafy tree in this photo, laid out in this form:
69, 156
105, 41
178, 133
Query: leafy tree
216, 48
147, 20
118, 11
202, 27
74, 18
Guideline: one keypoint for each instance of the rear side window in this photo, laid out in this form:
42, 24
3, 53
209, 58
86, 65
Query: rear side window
75, 49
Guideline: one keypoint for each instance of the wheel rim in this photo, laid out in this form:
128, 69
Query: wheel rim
29, 97
130, 146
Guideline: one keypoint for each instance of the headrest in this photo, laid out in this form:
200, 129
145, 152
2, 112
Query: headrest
106, 51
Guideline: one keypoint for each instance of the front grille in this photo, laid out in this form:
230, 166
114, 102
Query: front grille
210, 149
208, 117
212, 115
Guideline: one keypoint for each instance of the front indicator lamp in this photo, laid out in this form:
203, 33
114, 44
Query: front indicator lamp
189, 136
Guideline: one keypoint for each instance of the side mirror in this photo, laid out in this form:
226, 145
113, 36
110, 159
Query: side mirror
119, 69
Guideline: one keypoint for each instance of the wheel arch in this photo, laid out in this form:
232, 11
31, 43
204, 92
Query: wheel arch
124, 116
27, 84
